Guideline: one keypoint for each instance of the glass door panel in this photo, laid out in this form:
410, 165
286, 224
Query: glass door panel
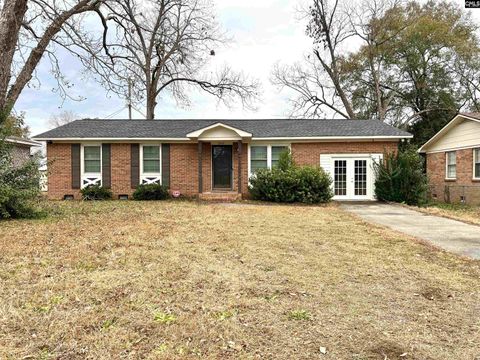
340, 178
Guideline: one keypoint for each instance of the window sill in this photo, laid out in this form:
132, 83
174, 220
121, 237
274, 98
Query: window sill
450, 179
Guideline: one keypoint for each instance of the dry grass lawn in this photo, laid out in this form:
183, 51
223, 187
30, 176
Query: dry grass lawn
181, 280
469, 214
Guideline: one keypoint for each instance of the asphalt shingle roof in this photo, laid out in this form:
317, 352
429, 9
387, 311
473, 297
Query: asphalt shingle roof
96, 128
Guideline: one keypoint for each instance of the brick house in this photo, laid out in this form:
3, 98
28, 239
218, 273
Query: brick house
21, 149
211, 158
453, 160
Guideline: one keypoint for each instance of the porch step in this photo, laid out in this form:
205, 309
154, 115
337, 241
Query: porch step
220, 196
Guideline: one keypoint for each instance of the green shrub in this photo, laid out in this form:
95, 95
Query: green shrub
96, 192
19, 186
400, 178
289, 183
314, 185
151, 192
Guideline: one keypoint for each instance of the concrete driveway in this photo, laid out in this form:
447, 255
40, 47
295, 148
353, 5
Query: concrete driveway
451, 235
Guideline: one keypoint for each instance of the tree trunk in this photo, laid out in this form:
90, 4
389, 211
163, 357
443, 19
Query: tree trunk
151, 104
11, 17
37, 52
381, 109
332, 72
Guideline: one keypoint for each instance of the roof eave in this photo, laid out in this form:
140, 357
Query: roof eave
438, 135
27, 142
270, 138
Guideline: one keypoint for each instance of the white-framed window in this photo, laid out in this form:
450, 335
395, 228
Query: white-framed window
151, 164
476, 164
265, 156
277, 150
258, 158
92, 159
91, 165
451, 168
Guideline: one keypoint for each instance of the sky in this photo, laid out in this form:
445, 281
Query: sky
264, 32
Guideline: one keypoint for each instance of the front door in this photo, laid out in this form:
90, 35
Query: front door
351, 178
222, 166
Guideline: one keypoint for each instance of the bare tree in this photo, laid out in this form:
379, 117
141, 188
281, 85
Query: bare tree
372, 22
319, 85
161, 46
62, 118
27, 29
329, 78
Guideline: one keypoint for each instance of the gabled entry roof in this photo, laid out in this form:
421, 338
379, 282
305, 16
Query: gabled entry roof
267, 129
219, 131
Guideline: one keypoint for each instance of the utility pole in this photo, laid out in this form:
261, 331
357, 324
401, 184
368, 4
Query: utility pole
129, 99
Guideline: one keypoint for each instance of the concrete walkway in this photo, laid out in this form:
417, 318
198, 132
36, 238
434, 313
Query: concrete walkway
451, 235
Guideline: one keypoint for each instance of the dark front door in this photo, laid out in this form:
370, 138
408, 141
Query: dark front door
222, 166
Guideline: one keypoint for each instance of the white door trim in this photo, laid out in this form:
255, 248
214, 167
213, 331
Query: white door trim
350, 174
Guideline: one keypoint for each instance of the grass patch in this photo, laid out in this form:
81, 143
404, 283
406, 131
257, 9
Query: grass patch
299, 315
180, 280
164, 318
461, 212
224, 315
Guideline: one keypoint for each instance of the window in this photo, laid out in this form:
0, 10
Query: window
258, 158
151, 159
276, 151
451, 165
340, 177
476, 163
91, 159
265, 156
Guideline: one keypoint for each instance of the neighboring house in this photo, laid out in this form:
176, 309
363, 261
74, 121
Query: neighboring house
21, 149
211, 158
453, 160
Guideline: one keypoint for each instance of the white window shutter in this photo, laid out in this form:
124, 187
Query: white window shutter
377, 158
326, 163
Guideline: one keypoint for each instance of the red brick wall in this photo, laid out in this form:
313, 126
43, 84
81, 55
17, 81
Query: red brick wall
121, 170
60, 171
184, 165
309, 153
20, 154
464, 185
206, 167
184, 168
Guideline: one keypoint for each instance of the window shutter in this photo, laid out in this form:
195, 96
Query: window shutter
135, 165
166, 165
326, 164
376, 159
75, 164
106, 166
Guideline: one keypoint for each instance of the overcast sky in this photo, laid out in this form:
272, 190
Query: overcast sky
264, 32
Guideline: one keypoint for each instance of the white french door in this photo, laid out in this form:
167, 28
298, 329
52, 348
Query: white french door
352, 178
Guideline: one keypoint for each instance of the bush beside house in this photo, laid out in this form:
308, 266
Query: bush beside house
96, 192
151, 192
400, 178
288, 183
19, 186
